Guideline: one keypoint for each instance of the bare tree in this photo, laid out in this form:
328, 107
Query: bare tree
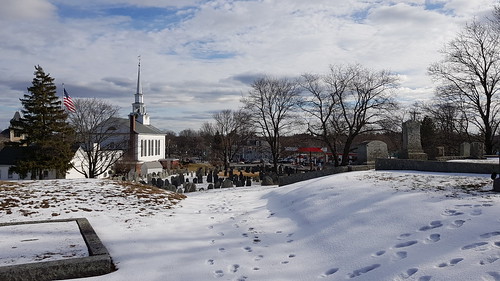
368, 97
319, 106
271, 105
189, 144
100, 148
469, 75
229, 133
170, 146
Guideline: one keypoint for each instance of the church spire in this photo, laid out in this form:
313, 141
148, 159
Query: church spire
139, 86
138, 108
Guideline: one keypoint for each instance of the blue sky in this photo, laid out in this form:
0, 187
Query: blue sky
199, 57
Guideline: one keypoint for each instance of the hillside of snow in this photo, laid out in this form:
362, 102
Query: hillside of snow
371, 225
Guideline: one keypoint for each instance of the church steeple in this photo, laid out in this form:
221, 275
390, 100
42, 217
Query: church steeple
138, 108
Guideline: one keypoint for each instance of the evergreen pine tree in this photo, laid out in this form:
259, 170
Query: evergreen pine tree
48, 136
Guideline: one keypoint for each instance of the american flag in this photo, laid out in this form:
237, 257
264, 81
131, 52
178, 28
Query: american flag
68, 102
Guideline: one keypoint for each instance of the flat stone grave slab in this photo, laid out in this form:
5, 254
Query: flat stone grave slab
53, 249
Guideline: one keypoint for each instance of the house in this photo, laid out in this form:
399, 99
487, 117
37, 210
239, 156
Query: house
8, 157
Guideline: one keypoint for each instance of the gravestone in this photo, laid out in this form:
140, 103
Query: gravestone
477, 150
217, 184
159, 183
465, 149
209, 177
440, 151
267, 180
227, 183
368, 151
412, 145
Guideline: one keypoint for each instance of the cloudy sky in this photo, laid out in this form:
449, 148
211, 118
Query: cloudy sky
199, 56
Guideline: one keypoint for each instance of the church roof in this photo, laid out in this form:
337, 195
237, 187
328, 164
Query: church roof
139, 128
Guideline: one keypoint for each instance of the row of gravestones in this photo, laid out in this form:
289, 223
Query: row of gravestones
211, 175
182, 185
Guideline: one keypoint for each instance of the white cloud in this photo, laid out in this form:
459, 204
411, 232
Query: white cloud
204, 61
26, 10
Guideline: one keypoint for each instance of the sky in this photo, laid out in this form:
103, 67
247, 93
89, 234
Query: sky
199, 57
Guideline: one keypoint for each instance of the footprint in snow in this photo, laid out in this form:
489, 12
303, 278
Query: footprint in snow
234, 268
493, 274
451, 263
433, 238
457, 223
489, 260
406, 244
490, 234
363, 270
407, 274
248, 249
425, 278
403, 236
475, 245
289, 241
329, 272
432, 225
400, 255
222, 250
378, 254
218, 273
258, 258
452, 213
476, 212
210, 262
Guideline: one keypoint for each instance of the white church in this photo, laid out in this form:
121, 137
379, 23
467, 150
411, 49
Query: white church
146, 142
143, 144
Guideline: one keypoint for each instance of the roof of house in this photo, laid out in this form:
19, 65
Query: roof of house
5, 133
139, 128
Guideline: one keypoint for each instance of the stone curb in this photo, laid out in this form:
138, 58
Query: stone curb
97, 263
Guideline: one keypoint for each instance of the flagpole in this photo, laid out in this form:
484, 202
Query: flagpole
62, 97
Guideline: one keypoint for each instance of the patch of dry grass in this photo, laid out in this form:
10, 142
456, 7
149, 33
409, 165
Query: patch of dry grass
67, 196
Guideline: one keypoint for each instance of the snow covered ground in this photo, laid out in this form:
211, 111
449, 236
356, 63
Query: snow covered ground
371, 225
44, 242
